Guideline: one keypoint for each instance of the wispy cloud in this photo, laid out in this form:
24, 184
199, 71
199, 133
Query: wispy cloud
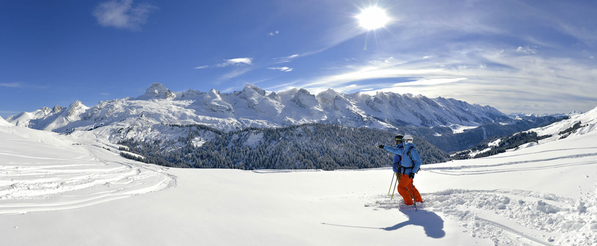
12, 85
235, 73
283, 69
273, 33
202, 67
502, 78
286, 59
236, 62
123, 14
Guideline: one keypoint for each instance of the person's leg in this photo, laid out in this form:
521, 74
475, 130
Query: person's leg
404, 189
418, 197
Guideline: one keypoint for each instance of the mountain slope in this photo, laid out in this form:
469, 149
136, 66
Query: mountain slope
575, 125
4, 122
310, 146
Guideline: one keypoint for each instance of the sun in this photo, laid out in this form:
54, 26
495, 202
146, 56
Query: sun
373, 18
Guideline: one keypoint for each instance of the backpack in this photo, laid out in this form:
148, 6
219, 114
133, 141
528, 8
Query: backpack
402, 169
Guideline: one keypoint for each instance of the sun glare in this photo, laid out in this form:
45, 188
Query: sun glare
373, 18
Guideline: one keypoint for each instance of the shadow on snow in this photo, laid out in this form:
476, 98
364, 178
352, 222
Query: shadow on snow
430, 221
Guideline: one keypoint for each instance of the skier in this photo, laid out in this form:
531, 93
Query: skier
406, 163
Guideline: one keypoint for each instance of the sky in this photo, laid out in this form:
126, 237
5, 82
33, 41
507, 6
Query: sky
517, 56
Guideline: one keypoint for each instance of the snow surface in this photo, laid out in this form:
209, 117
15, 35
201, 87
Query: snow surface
460, 128
4, 122
588, 122
72, 190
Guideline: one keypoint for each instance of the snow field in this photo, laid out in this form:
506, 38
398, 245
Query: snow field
36, 176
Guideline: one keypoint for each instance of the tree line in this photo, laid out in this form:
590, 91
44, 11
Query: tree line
310, 146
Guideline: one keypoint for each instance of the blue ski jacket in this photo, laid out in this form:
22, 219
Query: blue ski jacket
402, 159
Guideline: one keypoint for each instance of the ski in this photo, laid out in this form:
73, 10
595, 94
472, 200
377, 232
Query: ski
412, 207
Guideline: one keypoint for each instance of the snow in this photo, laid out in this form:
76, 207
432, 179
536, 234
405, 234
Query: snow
460, 128
472, 154
254, 139
588, 122
77, 190
4, 122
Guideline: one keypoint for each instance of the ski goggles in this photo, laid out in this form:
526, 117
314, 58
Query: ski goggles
398, 139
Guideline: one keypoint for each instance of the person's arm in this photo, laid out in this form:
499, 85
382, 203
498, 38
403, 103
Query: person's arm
393, 149
416, 158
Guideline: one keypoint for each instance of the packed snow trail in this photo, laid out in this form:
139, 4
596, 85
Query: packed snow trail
37, 176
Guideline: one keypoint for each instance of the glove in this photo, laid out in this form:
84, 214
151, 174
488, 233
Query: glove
381, 146
411, 175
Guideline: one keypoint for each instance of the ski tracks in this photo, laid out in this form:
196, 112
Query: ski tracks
31, 182
514, 217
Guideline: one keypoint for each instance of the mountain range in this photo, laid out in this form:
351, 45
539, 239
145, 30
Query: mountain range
254, 107
186, 128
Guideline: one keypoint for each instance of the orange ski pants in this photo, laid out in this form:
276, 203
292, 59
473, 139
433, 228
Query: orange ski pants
407, 190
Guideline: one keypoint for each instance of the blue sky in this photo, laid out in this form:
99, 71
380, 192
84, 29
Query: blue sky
517, 56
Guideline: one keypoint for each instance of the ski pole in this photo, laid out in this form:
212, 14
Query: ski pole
414, 199
391, 183
394, 190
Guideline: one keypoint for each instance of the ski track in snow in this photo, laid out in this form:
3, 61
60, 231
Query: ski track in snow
33, 179
513, 217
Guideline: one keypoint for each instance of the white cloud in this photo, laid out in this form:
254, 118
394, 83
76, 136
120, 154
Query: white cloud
13, 85
202, 67
122, 14
526, 50
273, 33
236, 62
283, 69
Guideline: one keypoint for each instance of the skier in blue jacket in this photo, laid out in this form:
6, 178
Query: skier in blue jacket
407, 162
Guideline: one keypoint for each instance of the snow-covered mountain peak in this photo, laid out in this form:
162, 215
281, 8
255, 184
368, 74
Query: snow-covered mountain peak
304, 99
57, 109
157, 91
75, 109
328, 96
249, 89
215, 94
